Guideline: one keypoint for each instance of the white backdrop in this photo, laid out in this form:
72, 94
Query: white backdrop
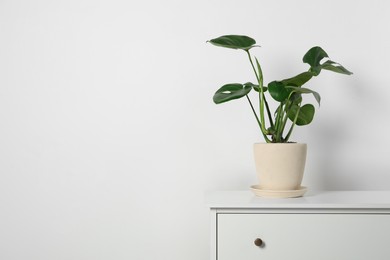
109, 137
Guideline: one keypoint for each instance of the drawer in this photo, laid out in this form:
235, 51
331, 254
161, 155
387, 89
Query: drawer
303, 236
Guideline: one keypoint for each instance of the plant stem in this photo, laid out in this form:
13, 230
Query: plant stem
257, 119
293, 124
253, 67
289, 133
254, 112
284, 121
269, 114
278, 121
262, 100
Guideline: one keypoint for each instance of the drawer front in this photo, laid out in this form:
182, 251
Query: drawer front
303, 236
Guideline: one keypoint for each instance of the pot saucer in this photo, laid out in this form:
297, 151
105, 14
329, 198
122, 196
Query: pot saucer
278, 193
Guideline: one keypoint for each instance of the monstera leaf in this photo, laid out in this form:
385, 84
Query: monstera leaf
278, 91
314, 56
335, 67
306, 91
234, 42
298, 80
305, 114
231, 91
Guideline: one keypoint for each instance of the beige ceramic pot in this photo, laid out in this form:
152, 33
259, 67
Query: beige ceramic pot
280, 166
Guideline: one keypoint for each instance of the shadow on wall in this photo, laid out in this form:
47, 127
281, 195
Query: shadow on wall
350, 157
329, 146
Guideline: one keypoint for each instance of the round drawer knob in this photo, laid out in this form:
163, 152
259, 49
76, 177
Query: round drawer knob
258, 242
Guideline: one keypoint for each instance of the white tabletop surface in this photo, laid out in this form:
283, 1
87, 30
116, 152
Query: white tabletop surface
312, 199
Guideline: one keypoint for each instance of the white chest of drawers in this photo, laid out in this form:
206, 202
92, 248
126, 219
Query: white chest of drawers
332, 225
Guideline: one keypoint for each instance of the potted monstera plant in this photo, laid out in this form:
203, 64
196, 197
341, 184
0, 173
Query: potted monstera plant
279, 162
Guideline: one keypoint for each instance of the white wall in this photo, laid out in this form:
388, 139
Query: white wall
109, 137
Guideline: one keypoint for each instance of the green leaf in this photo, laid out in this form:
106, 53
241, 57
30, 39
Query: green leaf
255, 87
306, 91
298, 80
260, 71
234, 42
231, 91
296, 98
335, 67
305, 116
278, 91
313, 57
